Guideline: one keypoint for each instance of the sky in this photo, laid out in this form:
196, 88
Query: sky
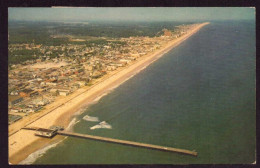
131, 13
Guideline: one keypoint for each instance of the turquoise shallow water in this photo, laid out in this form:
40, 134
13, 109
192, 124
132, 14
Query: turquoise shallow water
200, 95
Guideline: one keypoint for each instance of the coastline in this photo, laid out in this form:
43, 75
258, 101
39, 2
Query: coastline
22, 143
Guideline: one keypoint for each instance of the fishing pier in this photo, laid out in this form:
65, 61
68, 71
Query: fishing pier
56, 130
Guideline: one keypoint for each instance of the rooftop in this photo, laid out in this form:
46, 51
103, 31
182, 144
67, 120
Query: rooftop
12, 98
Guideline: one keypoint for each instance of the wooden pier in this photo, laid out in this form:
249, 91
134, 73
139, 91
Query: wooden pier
111, 140
157, 147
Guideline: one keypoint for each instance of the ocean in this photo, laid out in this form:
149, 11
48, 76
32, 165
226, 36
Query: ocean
199, 96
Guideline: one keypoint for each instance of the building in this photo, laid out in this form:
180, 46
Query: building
34, 93
57, 128
14, 100
54, 92
81, 83
125, 61
48, 133
26, 93
64, 92
167, 32
13, 118
42, 102
14, 110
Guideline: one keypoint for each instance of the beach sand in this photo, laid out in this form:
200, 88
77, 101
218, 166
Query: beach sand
23, 142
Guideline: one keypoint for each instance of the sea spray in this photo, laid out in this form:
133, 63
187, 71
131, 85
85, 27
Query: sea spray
90, 118
99, 97
71, 124
102, 124
80, 111
35, 155
115, 86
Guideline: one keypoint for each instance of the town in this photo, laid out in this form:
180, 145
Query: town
58, 71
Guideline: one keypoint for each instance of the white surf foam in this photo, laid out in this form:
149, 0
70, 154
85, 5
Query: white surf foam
71, 124
34, 156
80, 111
129, 77
90, 118
99, 97
102, 124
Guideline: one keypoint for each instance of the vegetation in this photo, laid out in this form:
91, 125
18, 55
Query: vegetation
57, 34
40, 32
18, 56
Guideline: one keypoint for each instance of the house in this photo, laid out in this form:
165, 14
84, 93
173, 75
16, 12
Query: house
26, 93
14, 93
75, 85
125, 61
51, 84
14, 110
42, 102
81, 83
135, 55
111, 68
54, 92
89, 68
64, 92
33, 93
96, 74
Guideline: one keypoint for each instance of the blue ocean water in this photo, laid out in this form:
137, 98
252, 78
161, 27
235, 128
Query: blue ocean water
199, 96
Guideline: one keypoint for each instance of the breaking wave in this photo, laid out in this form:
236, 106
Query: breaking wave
35, 155
99, 97
80, 111
102, 124
90, 118
71, 124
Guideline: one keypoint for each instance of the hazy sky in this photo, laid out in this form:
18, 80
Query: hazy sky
132, 13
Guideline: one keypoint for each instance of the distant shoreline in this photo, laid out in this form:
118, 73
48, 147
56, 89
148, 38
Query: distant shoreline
23, 142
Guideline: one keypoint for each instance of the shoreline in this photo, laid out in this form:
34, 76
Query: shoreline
23, 142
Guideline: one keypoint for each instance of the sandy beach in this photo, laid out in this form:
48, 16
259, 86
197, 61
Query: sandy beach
23, 142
